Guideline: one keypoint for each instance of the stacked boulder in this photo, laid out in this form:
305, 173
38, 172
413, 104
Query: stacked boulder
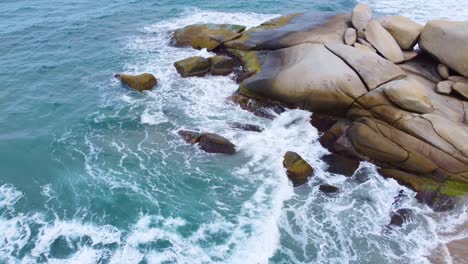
405, 110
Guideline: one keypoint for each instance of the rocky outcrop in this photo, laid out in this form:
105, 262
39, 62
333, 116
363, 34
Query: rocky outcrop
193, 66
221, 65
308, 76
209, 142
290, 30
297, 169
383, 42
404, 30
206, 36
141, 82
373, 69
448, 42
371, 100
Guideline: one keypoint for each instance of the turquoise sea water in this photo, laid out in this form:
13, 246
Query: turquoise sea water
91, 172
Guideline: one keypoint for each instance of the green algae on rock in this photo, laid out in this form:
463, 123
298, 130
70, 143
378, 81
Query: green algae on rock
206, 36
141, 82
193, 66
297, 169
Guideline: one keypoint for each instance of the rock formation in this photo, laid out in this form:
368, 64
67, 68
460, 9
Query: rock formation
141, 82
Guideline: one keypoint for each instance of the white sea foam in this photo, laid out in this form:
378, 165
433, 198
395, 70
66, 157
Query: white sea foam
273, 222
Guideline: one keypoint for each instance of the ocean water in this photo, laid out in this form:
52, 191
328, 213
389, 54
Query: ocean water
91, 172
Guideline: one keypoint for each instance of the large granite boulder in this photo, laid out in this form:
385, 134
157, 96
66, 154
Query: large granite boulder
361, 16
308, 76
409, 95
383, 42
297, 169
206, 36
193, 66
290, 30
461, 89
373, 69
448, 41
404, 30
141, 82
221, 65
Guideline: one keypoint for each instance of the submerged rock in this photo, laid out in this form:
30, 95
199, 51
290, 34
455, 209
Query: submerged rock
213, 143
209, 142
340, 164
206, 36
245, 127
259, 108
448, 42
327, 188
297, 169
401, 216
193, 66
141, 82
221, 65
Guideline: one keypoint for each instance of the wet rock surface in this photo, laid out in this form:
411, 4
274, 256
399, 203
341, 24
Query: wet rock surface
208, 142
297, 169
141, 82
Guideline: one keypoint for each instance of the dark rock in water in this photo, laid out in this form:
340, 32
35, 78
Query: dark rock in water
141, 82
206, 36
213, 143
322, 122
401, 216
257, 107
191, 137
208, 142
297, 169
221, 65
327, 188
193, 66
245, 127
341, 165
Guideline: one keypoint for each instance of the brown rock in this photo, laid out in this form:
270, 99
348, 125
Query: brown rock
297, 169
141, 82
213, 143
327, 188
404, 30
193, 66
444, 87
221, 65
361, 16
444, 71
350, 36
461, 89
373, 69
208, 36
383, 42
448, 42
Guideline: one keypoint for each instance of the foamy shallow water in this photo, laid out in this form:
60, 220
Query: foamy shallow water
132, 191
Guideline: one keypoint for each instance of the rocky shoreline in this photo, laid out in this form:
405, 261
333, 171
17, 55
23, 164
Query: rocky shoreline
385, 90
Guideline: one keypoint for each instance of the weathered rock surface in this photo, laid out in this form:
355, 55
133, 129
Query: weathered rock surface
383, 42
308, 76
141, 82
409, 95
409, 55
350, 36
404, 30
364, 47
461, 89
448, 41
445, 87
291, 30
361, 16
193, 66
443, 70
297, 169
373, 69
340, 164
327, 188
221, 65
400, 217
458, 79
209, 142
206, 36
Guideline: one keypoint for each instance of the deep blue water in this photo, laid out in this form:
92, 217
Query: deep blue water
91, 172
